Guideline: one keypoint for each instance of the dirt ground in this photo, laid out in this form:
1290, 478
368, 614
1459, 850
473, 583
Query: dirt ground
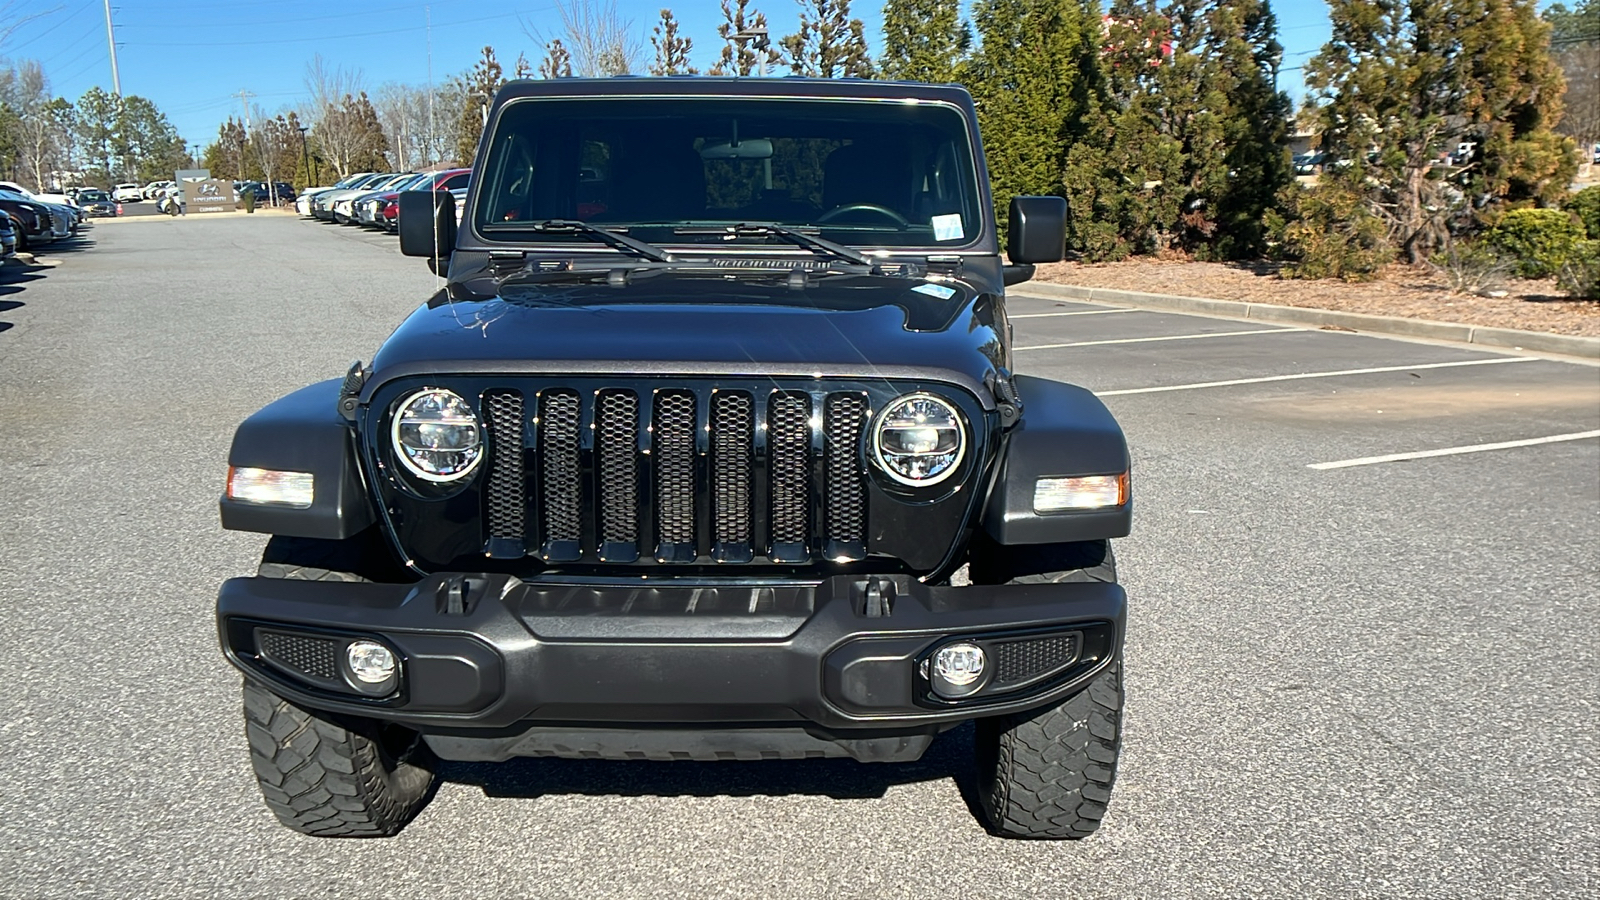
1401, 291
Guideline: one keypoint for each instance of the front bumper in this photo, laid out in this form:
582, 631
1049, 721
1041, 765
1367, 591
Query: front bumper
491, 653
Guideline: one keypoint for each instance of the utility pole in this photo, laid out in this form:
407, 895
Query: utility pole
111, 39
244, 100
432, 132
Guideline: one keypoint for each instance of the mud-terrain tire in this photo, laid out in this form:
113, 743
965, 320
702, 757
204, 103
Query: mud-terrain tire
1047, 773
328, 776
363, 557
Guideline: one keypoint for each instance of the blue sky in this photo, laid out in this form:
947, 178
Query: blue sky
192, 57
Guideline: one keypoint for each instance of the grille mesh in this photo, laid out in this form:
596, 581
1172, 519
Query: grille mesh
506, 498
674, 453
732, 429
846, 497
788, 446
1017, 661
559, 418
618, 443
312, 656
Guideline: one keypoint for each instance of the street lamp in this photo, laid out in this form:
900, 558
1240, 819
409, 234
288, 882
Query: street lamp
305, 158
757, 39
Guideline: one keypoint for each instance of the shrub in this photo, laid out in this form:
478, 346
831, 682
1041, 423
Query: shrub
1330, 232
1580, 274
1585, 204
1472, 268
1541, 240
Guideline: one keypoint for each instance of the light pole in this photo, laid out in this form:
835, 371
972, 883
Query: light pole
305, 158
757, 39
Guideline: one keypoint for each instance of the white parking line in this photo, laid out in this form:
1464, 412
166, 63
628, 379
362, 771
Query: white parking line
1211, 384
1170, 337
1453, 451
1079, 312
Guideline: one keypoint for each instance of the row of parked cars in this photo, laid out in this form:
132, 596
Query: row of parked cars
29, 219
372, 199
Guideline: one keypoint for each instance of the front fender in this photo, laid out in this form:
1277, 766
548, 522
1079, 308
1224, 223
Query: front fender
303, 432
1065, 431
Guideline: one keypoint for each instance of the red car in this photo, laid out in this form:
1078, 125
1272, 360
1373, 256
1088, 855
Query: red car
450, 179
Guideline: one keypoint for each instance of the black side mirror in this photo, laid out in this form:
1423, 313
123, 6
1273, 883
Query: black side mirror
1038, 231
427, 224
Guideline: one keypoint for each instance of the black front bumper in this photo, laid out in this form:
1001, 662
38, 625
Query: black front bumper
489, 657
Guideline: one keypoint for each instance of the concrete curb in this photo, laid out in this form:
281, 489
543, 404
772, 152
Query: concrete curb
1504, 338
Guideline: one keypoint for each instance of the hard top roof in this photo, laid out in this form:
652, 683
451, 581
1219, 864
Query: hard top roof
723, 86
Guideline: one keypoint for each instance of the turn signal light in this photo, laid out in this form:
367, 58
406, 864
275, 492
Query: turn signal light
269, 486
1087, 492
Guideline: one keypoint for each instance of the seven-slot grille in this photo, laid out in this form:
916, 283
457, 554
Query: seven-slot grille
676, 474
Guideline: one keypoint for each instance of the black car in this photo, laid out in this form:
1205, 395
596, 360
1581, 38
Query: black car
96, 203
711, 447
31, 220
8, 236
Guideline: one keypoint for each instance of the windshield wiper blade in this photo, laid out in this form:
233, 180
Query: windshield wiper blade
604, 235
801, 239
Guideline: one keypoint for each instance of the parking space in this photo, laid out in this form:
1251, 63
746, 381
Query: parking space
1371, 680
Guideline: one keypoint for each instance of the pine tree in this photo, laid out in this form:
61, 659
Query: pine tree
924, 40
829, 43
557, 61
1032, 79
1403, 84
672, 51
747, 56
482, 84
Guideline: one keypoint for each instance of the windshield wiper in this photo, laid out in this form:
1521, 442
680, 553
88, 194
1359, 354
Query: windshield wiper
604, 235
798, 238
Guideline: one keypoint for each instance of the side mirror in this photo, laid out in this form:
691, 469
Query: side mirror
427, 224
1038, 231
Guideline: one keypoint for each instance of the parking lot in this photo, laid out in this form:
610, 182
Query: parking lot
1378, 678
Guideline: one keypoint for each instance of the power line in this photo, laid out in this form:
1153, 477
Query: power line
342, 37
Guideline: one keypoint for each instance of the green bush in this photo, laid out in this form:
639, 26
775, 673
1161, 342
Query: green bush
1330, 232
1580, 274
1585, 204
1541, 240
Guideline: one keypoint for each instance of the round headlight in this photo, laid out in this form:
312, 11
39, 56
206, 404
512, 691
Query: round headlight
919, 439
436, 436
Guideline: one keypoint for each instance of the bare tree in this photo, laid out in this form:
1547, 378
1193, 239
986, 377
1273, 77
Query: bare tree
1580, 65
11, 19
42, 124
600, 41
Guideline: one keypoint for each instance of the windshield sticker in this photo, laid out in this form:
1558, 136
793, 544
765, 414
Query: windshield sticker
947, 227
935, 290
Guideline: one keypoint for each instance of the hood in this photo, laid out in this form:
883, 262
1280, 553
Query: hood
666, 322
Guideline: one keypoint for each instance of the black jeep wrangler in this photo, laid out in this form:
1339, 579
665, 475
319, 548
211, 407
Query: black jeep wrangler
708, 448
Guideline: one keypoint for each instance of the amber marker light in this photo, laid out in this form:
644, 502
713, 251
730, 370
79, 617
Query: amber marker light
1080, 493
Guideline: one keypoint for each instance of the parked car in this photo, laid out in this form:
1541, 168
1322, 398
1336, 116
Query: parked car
8, 236
344, 206
171, 200
32, 220
656, 485
367, 209
152, 191
304, 203
62, 221
96, 203
69, 206
127, 193
322, 206
388, 214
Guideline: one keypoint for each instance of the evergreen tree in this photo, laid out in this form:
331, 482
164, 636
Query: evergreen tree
1032, 78
924, 40
829, 43
96, 124
672, 51
1400, 85
747, 56
226, 156
484, 80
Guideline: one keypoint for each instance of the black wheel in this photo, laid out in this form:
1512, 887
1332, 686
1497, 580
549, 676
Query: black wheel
1047, 773
327, 776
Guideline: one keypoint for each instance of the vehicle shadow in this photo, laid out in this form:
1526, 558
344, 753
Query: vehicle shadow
949, 757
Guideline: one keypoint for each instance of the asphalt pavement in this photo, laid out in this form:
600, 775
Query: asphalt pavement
1376, 678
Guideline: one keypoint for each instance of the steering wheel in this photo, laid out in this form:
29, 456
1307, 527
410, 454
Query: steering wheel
899, 221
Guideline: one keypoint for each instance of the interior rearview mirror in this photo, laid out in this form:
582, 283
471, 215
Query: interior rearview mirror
756, 148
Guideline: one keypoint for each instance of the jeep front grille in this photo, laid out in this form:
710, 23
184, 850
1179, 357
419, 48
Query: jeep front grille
676, 475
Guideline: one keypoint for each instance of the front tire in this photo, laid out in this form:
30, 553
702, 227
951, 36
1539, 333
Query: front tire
330, 777
1047, 773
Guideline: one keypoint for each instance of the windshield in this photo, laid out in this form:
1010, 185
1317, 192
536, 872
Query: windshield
663, 169
91, 196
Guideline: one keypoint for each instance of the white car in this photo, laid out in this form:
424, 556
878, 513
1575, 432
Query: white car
127, 193
152, 190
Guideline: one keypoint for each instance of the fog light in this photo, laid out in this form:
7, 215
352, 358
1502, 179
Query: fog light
370, 662
958, 670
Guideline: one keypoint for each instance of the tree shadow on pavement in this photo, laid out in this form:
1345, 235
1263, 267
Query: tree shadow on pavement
948, 757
